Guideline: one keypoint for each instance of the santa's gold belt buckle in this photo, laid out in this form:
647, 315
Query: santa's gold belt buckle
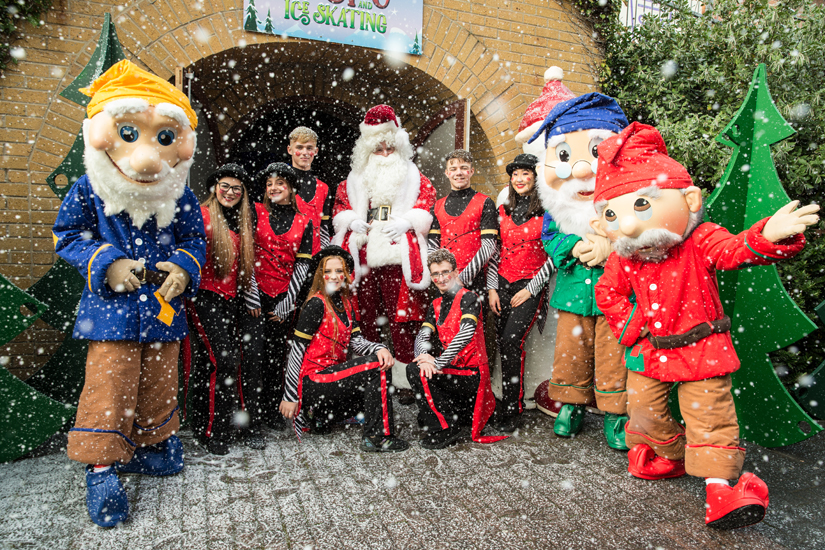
381, 213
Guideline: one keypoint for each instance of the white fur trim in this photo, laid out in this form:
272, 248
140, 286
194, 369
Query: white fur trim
555, 140
341, 223
420, 219
503, 195
368, 130
127, 105
527, 133
174, 112
553, 73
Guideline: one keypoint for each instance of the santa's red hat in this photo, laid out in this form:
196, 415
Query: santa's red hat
634, 159
554, 92
380, 119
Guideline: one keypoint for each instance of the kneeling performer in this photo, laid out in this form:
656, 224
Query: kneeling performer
319, 375
453, 390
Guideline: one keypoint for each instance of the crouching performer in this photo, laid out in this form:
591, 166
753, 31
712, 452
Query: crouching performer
675, 328
453, 390
134, 230
319, 376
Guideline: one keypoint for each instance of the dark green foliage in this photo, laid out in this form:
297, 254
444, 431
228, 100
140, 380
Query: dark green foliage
13, 13
687, 75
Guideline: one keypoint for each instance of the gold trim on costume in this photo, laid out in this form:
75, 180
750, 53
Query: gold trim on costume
89, 267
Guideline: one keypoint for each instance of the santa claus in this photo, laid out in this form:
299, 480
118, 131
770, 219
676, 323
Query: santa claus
382, 216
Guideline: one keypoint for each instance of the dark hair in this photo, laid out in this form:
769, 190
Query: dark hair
283, 171
459, 154
441, 255
535, 207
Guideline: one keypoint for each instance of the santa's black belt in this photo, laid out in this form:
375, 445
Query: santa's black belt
152, 277
692, 336
381, 213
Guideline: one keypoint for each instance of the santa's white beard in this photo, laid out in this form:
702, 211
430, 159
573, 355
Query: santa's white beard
570, 214
383, 177
141, 202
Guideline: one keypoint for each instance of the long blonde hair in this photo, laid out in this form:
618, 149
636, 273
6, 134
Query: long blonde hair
222, 252
319, 287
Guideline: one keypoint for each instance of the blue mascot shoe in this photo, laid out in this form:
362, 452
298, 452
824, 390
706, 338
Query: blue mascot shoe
162, 459
105, 497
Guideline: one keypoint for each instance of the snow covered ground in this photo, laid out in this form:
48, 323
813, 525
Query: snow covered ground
533, 491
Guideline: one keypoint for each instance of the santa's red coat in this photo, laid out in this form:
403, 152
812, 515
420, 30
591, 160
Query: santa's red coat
681, 292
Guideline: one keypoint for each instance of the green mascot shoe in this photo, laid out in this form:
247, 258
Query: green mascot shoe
614, 431
569, 421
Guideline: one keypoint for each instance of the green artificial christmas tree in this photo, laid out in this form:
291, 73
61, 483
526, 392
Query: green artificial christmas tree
415, 49
251, 21
765, 318
268, 25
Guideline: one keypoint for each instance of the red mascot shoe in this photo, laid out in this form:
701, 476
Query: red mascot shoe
645, 464
739, 506
543, 401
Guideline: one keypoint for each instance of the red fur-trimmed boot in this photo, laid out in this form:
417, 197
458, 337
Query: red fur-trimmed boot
543, 401
645, 464
734, 507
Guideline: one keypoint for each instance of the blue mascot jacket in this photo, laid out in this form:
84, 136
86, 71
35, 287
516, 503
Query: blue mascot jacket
90, 241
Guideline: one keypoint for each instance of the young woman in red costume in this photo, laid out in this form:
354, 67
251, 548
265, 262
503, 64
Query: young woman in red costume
213, 313
516, 282
319, 376
283, 250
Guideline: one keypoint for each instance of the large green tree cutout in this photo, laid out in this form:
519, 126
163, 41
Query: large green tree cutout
764, 316
34, 410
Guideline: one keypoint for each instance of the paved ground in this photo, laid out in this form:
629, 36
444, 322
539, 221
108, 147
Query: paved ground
533, 491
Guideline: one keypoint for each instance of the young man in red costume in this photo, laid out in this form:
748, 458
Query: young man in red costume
465, 222
660, 296
314, 197
381, 216
452, 390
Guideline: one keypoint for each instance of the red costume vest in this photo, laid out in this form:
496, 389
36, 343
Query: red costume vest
471, 360
275, 255
227, 287
461, 235
474, 353
314, 209
330, 343
522, 252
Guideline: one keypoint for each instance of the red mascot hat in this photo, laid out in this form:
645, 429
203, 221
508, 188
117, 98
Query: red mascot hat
634, 159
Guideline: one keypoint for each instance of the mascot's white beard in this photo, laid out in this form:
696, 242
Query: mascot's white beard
653, 245
141, 202
572, 215
384, 176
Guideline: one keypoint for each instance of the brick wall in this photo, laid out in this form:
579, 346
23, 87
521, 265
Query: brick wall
494, 52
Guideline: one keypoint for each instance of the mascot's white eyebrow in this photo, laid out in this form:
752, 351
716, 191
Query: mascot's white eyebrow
592, 134
131, 105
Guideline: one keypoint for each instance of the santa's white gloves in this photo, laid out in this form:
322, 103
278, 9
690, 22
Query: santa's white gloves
789, 221
397, 227
119, 275
359, 226
175, 282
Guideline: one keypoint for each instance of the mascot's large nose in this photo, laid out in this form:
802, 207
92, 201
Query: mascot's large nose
630, 226
582, 170
146, 160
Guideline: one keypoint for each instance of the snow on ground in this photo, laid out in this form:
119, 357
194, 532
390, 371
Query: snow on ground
533, 491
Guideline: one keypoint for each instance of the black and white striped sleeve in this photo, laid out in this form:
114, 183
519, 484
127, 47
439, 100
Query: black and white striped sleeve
299, 274
360, 345
422, 340
469, 319
298, 349
485, 252
492, 268
251, 295
540, 279
434, 236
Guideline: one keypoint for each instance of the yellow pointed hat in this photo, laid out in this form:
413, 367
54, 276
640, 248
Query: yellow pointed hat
125, 79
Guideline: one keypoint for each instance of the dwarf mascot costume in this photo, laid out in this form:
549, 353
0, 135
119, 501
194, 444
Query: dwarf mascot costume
134, 230
587, 362
382, 216
660, 295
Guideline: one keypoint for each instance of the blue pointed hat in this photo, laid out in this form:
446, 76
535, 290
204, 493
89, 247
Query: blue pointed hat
593, 111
